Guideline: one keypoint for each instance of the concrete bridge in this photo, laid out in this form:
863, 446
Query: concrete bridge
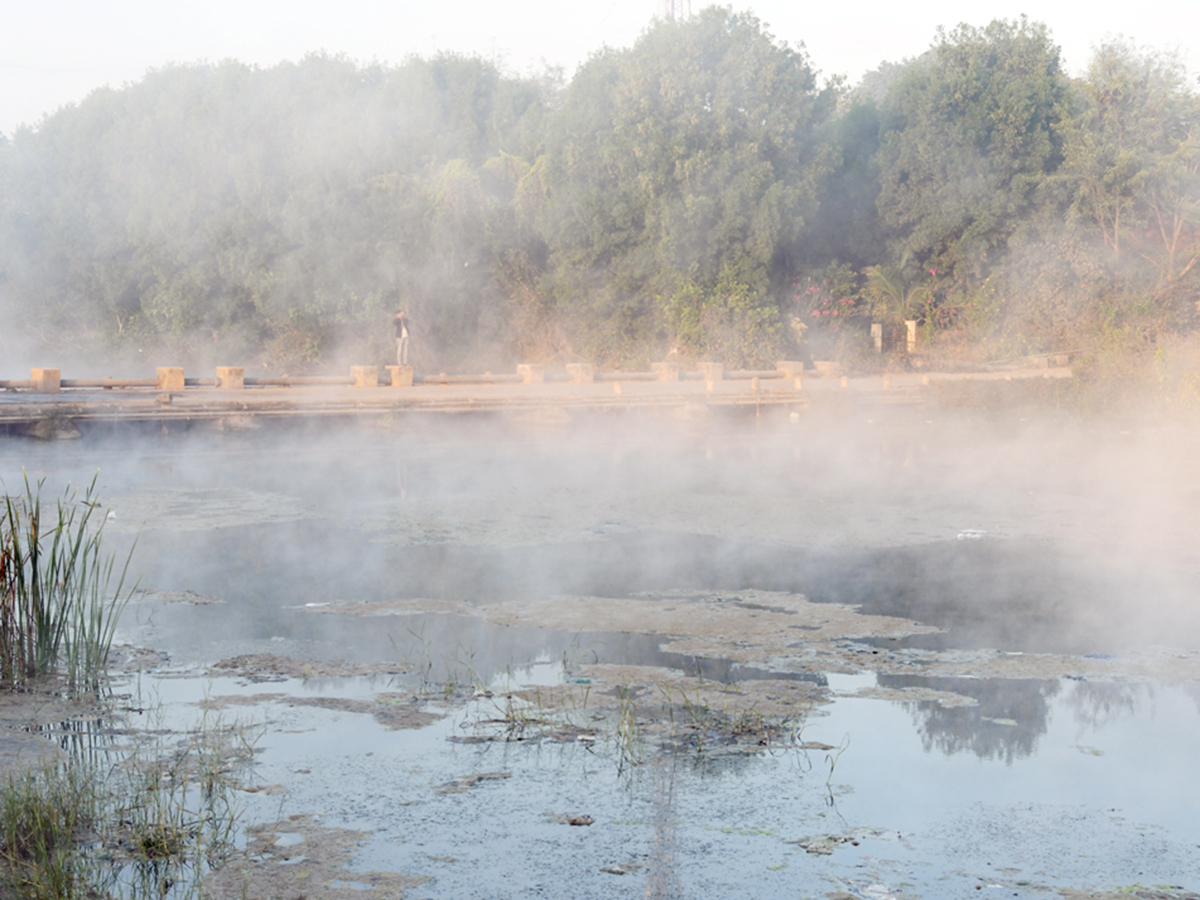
47, 405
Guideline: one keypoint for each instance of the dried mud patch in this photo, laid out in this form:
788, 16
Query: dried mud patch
393, 710
145, 595
763, 619
299, 859
786, 633
741, 625
230, 701
466, 782
603, 702
745, 626
129, 659
1156, 664
261, 667
1133, 892
774, 698
946, 699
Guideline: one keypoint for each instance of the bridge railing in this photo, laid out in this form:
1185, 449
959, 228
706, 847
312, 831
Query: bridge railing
172, 378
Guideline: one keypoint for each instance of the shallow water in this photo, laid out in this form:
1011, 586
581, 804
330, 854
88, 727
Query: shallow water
1082, 788
246, 542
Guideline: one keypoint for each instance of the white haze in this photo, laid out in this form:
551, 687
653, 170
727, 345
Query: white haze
1027, 532
56, 52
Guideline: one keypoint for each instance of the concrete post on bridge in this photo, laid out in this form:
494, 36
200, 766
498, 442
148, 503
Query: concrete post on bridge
665, 371
532, 373
231, 378
170, 378
711, 372
46, 381
365, 376
401, 376
581, 373
792, 370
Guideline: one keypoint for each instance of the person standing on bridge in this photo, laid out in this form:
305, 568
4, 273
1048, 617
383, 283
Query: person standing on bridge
401, 338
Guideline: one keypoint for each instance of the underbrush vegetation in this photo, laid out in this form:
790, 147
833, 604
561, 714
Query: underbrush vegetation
149, 823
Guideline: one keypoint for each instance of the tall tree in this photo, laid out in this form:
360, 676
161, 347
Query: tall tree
1133, 159
971, 132
679, 179
265, 215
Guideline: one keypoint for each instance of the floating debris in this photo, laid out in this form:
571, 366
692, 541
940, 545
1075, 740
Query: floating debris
461, 785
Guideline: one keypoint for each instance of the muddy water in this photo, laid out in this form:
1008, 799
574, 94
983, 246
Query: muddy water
980, 635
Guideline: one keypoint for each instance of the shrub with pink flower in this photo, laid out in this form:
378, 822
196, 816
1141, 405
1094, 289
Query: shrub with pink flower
820, 305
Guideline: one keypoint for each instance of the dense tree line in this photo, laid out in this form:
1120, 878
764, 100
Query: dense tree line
700, 193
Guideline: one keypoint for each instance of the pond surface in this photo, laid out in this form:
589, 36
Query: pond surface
417, 555
1086, 786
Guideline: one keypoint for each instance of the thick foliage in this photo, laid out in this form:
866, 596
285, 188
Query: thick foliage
682, 194
681, 176
971, 134
273, 213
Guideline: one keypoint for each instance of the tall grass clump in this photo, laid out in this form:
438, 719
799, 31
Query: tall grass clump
59, 603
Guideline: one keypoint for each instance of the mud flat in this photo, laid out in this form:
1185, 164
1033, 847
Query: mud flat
887, 653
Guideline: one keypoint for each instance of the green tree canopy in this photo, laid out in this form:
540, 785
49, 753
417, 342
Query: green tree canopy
682, 173
283, 212
697, 192
1133, 159
970, 134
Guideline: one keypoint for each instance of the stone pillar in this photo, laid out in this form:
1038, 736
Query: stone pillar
665, 371
581, 373
790, 368
231, 378
910, 330
170, 378
712, 372
532, 373
877, 336
46, 381
365, 376
400, 376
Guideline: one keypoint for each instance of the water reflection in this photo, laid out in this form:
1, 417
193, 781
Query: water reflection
1005, 724
1192, 689
1098, 704
662, 876
89, 734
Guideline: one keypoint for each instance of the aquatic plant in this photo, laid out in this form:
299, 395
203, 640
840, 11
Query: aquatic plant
58, 604
150, 824
43, 815
628, 733
172, 817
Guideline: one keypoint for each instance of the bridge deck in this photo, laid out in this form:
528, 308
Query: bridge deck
134, 404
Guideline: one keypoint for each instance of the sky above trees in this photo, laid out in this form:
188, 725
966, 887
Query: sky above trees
57, 51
